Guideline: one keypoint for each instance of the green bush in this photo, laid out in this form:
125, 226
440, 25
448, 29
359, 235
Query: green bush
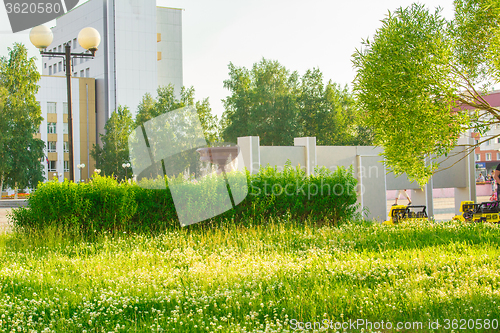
107, 205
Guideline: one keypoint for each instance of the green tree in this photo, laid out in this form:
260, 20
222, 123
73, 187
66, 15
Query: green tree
270, 102
115, 150
419, 76
263, 103
328, 112
20, 120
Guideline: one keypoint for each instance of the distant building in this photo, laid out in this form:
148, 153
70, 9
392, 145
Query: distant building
487, 155
54, 128
140, 49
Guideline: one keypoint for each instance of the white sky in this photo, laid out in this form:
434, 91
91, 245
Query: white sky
299, 34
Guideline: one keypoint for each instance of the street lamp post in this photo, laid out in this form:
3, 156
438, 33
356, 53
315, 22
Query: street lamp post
125, 166
88, 38
80, 167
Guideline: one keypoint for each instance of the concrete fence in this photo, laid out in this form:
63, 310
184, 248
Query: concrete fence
373, 179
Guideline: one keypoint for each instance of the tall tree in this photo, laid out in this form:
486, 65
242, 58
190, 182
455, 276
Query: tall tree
115, 150
21, 117
419, 76
278, 106
263, 102
179, 139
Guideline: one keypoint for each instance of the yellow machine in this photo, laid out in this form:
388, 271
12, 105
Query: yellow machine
400, 213
484, 212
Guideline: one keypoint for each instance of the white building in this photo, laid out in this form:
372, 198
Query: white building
141, 49
54, 127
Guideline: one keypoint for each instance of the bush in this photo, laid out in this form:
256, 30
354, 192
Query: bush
107, 205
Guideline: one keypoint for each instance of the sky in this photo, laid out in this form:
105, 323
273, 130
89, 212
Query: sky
299, 34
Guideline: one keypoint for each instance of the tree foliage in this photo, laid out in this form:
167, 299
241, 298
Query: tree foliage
115, 150
277, 105
20, 119
420, 75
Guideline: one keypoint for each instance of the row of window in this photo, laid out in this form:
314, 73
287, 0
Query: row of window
52, 128
54, 69
53, 167
52, 107
51, 146
487, 157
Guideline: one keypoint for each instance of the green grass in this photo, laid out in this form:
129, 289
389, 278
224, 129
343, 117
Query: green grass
250, 279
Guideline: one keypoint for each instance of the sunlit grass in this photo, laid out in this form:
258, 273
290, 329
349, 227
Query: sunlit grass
240, 279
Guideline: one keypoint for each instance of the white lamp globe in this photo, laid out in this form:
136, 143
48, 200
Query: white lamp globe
89, 38
41, 36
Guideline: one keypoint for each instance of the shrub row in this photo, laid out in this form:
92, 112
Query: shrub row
104, 204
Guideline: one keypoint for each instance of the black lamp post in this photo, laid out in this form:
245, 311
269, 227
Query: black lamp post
88, 38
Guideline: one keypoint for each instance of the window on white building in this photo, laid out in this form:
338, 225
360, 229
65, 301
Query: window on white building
488, 156
74, 43
45, 65
59, 48
66, 146
50, 70
65, 128
66, 166
81, 73
51, 107
52, 166
478, 157
65, 107
51, 128
60, 66
87, 72
51, 146
498, 156
487, 143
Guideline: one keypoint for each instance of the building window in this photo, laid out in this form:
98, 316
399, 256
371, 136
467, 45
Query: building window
498, 156
52, 166
65, 128
66, 166
488, 156
87, 72
51, 107
66, 146
75, 74
487, 143
74, 43
65, 107
498, 140
81, 73
81, 60
50, 70
45, 65
51, 128
59, 48
60, 66
478, 157
51, 146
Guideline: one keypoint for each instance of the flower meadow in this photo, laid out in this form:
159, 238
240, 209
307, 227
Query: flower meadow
261, 278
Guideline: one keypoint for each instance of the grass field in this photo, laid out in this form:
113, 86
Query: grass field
275, 279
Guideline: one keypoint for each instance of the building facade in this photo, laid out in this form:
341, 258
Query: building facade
54, 127
487, 155
141, 49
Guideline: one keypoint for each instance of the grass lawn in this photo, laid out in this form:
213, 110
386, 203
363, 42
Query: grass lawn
274, 278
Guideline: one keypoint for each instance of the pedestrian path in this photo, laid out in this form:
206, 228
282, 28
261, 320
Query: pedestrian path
4, 223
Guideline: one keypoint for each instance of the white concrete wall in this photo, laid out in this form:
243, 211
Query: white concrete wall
368, 168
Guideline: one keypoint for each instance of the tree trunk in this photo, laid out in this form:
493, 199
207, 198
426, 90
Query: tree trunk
1, 186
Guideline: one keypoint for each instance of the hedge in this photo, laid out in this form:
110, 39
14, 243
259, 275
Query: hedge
104, 204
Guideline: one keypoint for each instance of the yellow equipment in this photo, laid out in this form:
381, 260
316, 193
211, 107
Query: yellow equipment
400, 213
484, 212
